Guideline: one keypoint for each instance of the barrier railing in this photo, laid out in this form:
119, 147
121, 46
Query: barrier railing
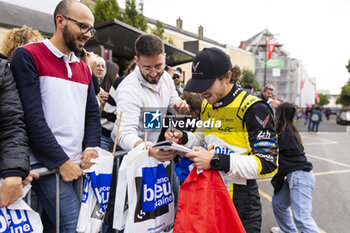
44, 171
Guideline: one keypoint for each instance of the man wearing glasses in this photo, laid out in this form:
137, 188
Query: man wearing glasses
147, 88
266, 93
60, 108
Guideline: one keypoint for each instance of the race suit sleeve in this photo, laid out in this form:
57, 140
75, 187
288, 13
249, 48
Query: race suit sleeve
41, 139
92, 134
193, 139
262, 161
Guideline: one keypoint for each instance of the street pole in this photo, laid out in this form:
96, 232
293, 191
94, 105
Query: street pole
265, 57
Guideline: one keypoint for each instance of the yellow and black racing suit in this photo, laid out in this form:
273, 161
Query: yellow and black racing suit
248, 136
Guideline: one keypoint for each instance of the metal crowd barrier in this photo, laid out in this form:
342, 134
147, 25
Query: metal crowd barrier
44, 171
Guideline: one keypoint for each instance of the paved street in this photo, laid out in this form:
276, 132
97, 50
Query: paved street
328, 151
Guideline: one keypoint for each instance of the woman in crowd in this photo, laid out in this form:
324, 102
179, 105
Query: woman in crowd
18, 37
315, 118
111, 75
294, 181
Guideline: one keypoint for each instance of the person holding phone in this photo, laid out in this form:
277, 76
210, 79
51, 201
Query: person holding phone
60, 108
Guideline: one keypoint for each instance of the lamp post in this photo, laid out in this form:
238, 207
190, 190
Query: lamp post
265, 57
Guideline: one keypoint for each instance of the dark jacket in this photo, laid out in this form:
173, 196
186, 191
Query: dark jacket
261, 96
291, 158
318, 113
14, 149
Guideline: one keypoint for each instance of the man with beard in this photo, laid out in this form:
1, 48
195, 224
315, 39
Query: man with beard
147, 88
60, 108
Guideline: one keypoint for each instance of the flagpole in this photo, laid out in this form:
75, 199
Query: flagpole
265, 57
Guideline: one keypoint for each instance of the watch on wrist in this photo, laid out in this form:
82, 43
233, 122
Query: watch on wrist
215, 162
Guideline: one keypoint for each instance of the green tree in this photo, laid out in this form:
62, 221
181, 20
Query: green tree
348, 66
105, 10
159, 31
134, 16
249, 77
344, 97
323, 99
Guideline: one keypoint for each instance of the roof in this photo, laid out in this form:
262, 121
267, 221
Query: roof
259, 40
187, 33
17, 16
113, 34
120, 38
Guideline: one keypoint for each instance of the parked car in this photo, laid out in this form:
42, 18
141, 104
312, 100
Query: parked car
334, 110
343, 117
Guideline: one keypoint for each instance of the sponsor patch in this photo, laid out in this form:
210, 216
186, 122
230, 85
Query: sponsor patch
263, 123
226, 129
263, 134
264, 144
265, 156
264, 150
220, 150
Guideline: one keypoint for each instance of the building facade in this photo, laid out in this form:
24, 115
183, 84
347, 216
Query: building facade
195, 43
286, 74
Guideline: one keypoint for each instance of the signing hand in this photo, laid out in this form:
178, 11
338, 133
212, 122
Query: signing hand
70, 171
10, 190
201, 157
173, 136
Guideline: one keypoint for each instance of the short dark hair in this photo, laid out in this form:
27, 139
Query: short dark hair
248, 86
148, 45
62, 9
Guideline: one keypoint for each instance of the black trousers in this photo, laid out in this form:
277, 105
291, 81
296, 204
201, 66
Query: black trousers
247, 202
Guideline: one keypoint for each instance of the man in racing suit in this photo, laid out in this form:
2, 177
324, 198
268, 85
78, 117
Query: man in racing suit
244, 146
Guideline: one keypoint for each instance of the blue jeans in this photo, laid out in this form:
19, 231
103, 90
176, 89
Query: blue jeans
45, 188
296, 193
106, 143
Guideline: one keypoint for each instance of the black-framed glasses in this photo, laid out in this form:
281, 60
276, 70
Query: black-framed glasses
84, 28
158, 69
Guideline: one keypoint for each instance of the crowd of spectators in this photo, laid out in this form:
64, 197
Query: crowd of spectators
56, 107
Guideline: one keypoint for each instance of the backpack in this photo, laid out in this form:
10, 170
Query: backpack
315, 117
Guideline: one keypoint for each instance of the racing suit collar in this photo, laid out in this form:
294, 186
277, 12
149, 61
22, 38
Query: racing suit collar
229, 97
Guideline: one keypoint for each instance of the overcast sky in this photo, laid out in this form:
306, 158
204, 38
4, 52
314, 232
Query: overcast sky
314, 31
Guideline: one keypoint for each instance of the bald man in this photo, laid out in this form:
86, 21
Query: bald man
60, 108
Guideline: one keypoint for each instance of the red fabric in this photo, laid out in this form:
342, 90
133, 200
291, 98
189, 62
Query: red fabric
205, 206
271, 44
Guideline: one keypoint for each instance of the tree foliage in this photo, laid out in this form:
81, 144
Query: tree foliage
105, 10
134, 16
159, 31
348, 66
249, 77
344, 97
109, 9
323, 99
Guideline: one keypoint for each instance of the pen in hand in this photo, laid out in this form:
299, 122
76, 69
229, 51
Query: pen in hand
171, 128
